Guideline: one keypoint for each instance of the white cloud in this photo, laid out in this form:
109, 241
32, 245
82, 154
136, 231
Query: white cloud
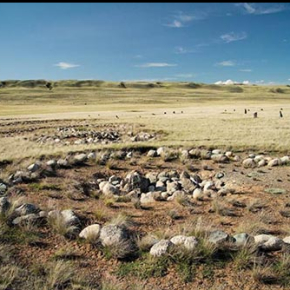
66, 65
226, 63
230, 37
175, 23
230, 82
156, 64
246, 70
185, 75
180, 19
138, 56
182, 50
288, 79
260, 10
260, 82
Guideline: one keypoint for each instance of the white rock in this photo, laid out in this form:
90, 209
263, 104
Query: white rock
216, 151
92, 156
147, 197
249, 163
160, 248
91, 232
208, 185
160, 151
286, 240
274, 162
285, 160
262, 163
109, 189
151, 153
33, 167
178, 240
273, 244
197, 193
190, 243
51, 162
80, 158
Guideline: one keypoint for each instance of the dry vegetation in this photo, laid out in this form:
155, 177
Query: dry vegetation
50, 254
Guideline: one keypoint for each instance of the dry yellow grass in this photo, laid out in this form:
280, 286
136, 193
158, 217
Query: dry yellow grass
213, 116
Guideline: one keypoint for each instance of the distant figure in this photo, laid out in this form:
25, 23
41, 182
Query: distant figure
255, 115
281, 115
122, 85
246, 111
173, 112
117, 117
225, 110
85, 103
49, 86
262, 109
153, 114
281, 109
164, 113
234, 110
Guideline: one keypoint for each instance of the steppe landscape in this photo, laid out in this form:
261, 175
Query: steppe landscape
144, 185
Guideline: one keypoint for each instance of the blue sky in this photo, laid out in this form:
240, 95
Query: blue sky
200, 42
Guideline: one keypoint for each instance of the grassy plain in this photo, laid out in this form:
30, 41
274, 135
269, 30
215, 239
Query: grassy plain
205, 115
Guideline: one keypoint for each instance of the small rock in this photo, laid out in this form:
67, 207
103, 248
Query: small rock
241, 239
80, 158
51, 163
160, 248
249, 163
197, 193
33, 167
274, 162
91, 156
217, 237
109, 189
91, 232
152, 153
3, 188
147, 197
25, 209
4, 204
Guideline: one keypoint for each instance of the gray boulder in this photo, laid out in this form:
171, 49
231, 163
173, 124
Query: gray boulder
113, 235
